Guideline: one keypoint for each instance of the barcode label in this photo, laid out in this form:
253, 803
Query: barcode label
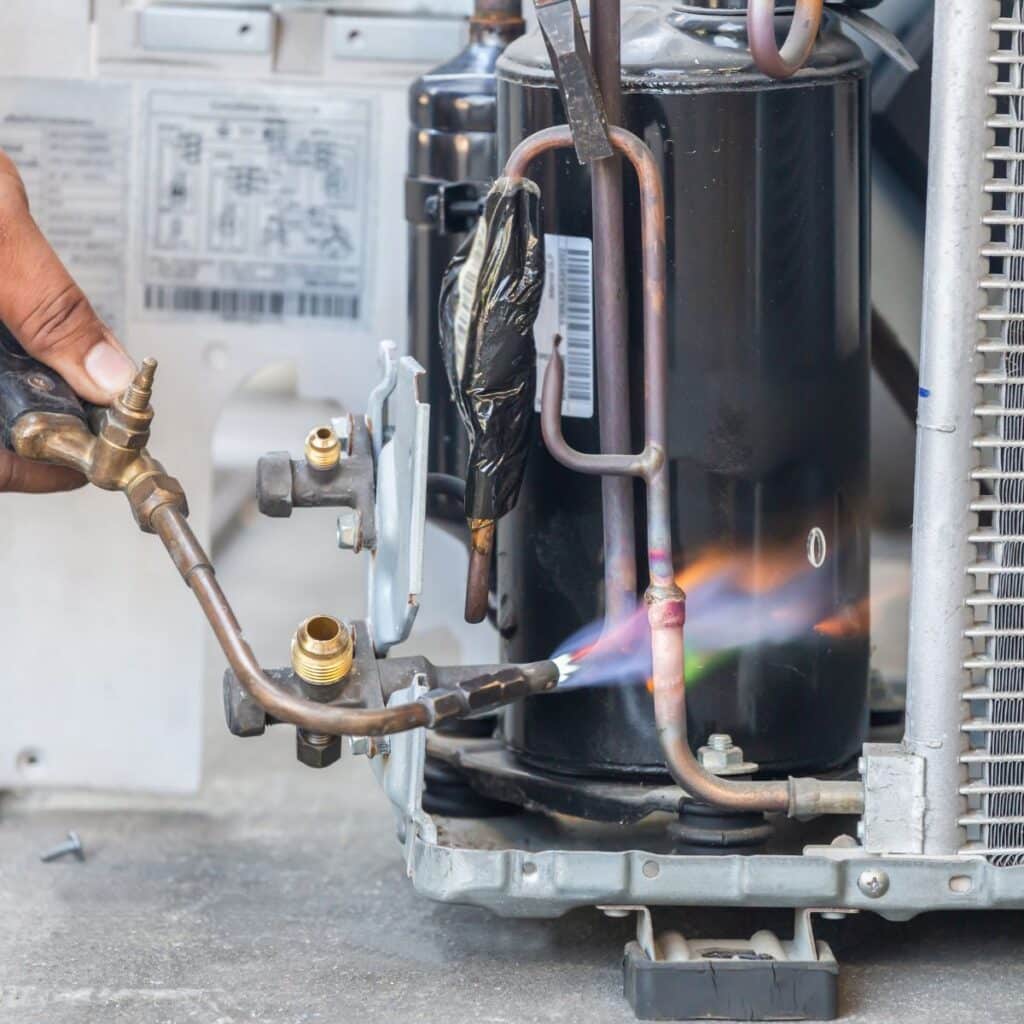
243, 304
256, 205
567, 310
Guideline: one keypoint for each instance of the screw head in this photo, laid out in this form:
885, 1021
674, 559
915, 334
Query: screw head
370, 746
350, 529
344, 428
873, 883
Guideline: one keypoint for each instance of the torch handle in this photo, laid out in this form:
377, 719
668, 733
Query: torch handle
28, 386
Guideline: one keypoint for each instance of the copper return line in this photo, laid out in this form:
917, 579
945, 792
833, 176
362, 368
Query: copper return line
666, 603
194, 565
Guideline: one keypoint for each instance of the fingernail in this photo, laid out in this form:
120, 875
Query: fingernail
111, 370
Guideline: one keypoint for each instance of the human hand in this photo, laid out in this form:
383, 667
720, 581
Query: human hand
52, 319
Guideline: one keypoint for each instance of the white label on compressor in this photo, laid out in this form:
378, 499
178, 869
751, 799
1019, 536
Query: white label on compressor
567, 309
70, 142
256, 205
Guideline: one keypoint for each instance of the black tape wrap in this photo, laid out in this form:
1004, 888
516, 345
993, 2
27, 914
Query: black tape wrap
489, 301
26, 385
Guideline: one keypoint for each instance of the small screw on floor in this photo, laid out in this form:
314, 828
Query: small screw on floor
71, 845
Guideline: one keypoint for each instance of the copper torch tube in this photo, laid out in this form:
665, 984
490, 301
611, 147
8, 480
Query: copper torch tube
795, 50
666, 603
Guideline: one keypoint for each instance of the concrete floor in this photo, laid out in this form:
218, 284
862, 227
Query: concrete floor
278, 895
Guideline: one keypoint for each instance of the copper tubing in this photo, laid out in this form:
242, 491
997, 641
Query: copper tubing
650, 464
666, 603
803, 32
194, 565
612, 322
478, 579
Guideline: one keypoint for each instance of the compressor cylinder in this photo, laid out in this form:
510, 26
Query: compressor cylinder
768, 306
452, 161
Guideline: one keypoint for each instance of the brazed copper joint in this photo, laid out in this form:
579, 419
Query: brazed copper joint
323, 448
322, 650
666, 603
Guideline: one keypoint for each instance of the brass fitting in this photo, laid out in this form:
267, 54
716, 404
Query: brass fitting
115, 457
322, 650
323, 448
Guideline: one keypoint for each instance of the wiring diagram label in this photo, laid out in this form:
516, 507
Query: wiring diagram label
567, 312
71, 145
257, 205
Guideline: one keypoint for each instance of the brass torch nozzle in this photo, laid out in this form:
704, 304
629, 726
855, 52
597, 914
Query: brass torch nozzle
140, 391
322, 650
323, 448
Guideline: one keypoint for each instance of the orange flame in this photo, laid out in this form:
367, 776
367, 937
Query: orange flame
753, 573
853, 620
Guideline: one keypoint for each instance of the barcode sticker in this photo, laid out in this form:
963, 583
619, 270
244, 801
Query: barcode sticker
233, 302
567, 310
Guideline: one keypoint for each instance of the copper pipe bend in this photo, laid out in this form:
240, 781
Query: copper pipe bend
799, 43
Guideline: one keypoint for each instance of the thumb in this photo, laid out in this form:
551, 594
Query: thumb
46, 310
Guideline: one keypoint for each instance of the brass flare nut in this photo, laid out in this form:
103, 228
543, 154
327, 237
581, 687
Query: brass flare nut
323, 448
322, 650
154, 492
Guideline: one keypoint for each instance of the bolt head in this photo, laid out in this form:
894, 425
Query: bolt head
873, 883
350, 529
274, 484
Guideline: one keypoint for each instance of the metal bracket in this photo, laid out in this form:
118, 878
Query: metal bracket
894, 800
452, 207
875, 32
400, 425
399, 771
577, 82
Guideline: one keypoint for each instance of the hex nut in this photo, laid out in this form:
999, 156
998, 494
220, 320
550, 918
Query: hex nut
154, 492
274, 485
715, 760
316, 754
132, 438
